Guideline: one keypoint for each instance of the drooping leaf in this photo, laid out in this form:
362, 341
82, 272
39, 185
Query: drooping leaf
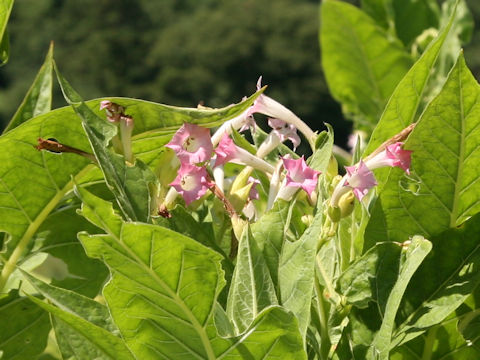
362, 64
38, 99
402, 107
252, 289
443, 190
5, 10
176, 282
24, 327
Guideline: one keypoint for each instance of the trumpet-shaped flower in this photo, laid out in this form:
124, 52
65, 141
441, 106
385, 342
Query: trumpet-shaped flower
299, 175
227, 151
393, 156
360, 178
191, 182
192, 144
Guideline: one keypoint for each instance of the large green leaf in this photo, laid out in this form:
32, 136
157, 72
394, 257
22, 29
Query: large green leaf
24, 327
402, 107
443, 190
413, 257
58, 237
5, 9
176, 281
252, 289
83, 327
38, 99
269, 233
362, 64
23, 208
412, 17
452, 273
296, 271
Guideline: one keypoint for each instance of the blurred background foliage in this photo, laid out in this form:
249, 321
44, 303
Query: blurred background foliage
180, 52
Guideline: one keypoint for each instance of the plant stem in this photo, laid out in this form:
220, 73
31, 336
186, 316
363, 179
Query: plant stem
325, 339
429, 341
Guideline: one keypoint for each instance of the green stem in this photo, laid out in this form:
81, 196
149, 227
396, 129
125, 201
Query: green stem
322, 315
429, 342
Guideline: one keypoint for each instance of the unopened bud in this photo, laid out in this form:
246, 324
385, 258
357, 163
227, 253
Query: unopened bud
332, 169
334, 213
346, 204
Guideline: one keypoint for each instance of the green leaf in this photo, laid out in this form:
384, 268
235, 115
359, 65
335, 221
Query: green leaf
93, 338
381, 11
412, 17
371, 277
401, 109
5, 10
269, 233
25, 327
296, 271
414, 256
83, 327
129, 183
362, 64
252, 289
58, 236
324, 145
443, 190
176, 282
452, 277
38, 99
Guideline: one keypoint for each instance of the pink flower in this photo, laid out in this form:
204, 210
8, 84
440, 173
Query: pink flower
360, 178
192, 144
284, 131
299, 175
227, 151
191, 182
393, 156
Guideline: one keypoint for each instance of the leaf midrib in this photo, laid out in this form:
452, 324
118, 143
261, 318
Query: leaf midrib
196, 325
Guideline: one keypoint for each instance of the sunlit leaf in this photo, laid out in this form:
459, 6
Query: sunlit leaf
443, 189
38, 99
362, 64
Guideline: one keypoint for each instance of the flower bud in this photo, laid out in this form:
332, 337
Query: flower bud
346, 204
334, 213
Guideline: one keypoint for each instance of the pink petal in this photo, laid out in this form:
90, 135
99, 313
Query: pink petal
225, 151
360, 178
300, 175
191, 182
192, 144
